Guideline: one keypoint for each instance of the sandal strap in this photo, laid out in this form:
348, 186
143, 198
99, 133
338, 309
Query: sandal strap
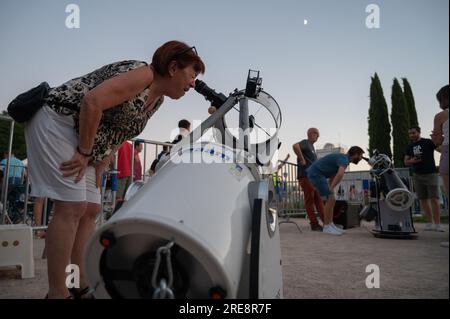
78, 293
84, 291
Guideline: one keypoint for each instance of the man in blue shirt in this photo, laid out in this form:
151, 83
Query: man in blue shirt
16, 168
331, 167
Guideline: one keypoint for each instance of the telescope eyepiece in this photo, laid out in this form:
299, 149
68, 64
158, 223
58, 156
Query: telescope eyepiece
216, 99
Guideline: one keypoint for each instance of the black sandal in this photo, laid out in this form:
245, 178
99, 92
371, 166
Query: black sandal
84, 293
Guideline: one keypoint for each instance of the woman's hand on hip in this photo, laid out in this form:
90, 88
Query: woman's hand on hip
76, 166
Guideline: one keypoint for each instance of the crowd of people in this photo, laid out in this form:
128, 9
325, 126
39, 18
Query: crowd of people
71, 140
318, 178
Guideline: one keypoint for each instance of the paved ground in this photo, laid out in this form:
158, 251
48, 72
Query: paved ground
316, 265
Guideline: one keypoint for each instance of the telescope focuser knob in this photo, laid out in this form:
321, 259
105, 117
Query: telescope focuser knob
212, 109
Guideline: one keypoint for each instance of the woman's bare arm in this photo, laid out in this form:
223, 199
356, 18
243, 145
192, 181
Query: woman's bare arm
108, 94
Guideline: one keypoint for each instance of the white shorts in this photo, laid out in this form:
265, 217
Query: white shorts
51, 140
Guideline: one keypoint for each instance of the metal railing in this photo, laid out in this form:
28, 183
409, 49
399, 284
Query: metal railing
290, 198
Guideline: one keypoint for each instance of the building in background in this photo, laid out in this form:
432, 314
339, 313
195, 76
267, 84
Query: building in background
329, 148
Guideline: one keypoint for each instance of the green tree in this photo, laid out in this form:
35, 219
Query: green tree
19, 145
410, 104
379, 126
400, 124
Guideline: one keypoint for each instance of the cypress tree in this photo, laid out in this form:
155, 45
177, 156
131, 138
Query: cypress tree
19, 145
400, 124
410, 104
379, 126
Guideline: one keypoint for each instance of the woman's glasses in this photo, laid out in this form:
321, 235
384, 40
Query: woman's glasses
179, 54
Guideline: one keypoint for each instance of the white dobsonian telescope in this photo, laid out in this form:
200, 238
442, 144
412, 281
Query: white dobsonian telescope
204, 226
390, 201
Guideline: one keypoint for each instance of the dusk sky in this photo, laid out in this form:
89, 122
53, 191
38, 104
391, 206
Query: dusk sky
316, 57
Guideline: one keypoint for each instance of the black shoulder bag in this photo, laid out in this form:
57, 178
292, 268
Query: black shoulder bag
25, 105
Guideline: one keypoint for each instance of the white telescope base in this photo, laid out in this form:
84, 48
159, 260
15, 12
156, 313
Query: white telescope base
206, 209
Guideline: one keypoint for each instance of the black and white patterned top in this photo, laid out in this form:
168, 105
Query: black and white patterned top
118, 124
